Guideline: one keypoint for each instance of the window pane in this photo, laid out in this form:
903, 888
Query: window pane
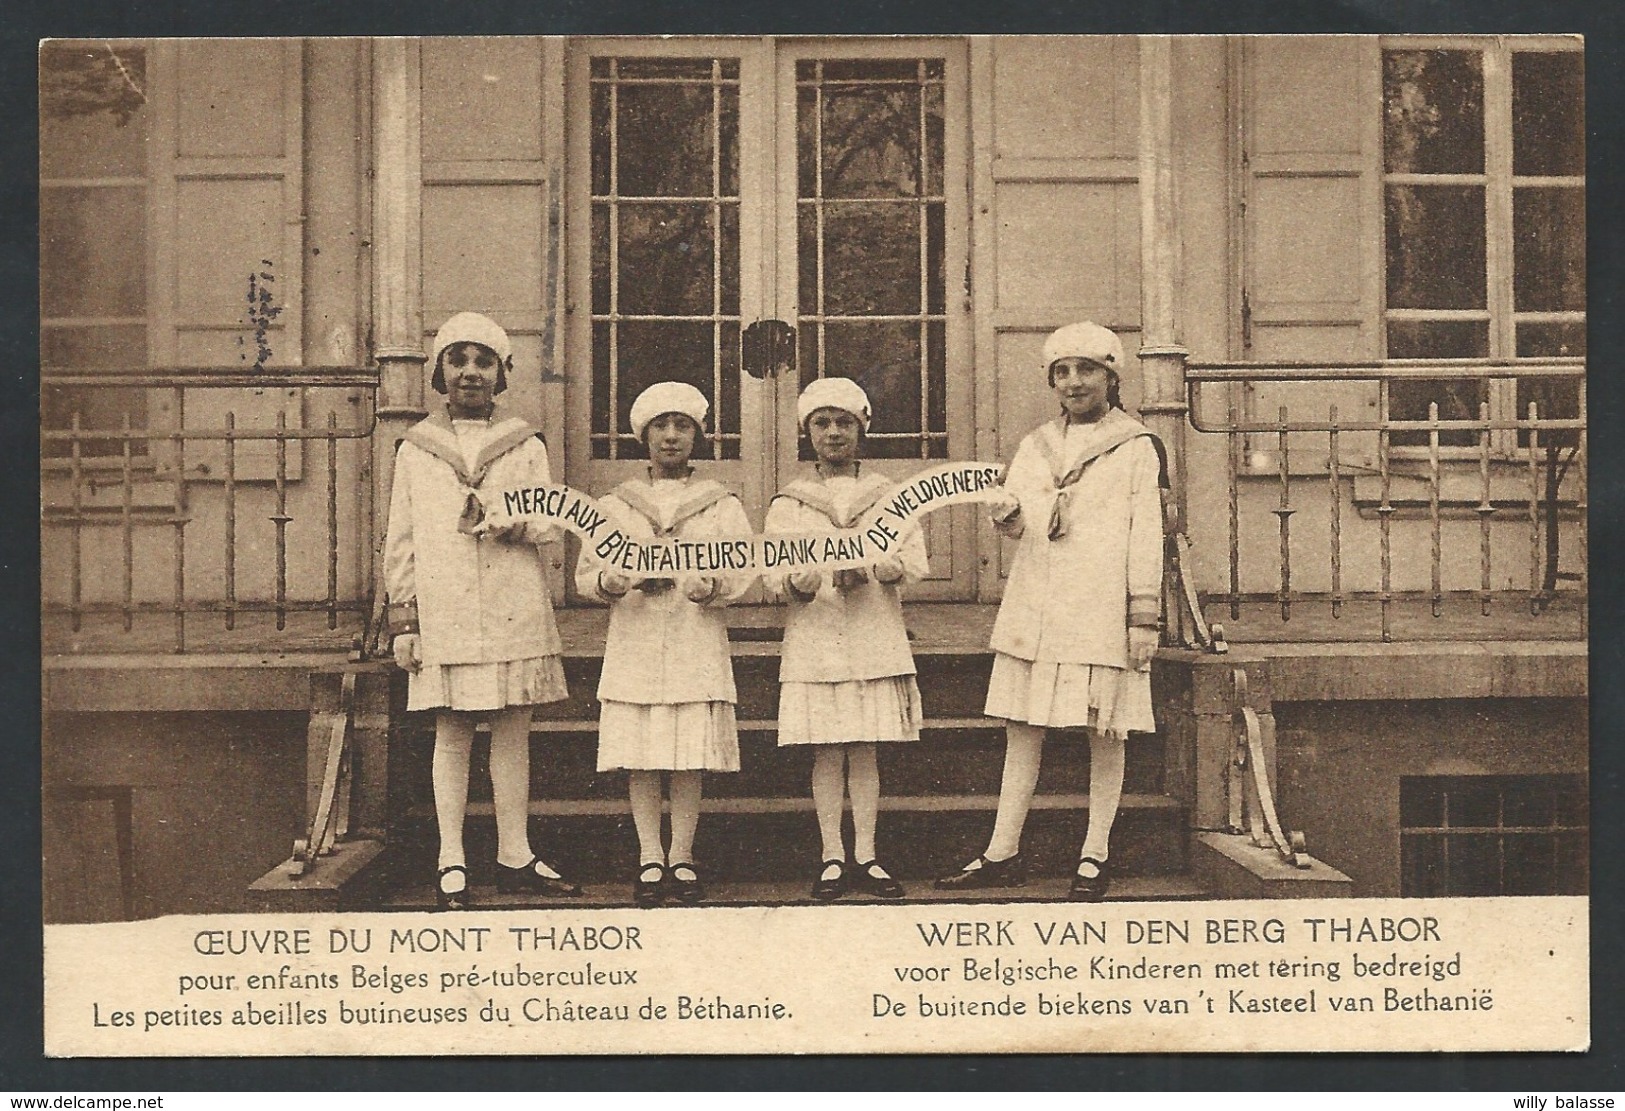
1537, 339
93, 252
871, 259
730, 259
600, 258
665, 263
1548, 114
601, 411
1548, 249
693, 69
664, 351
602, 140
728, 136
726, 418
93, 110
1529, 865
807, 259
1435, 247
663, 141
1433, 111
1421, 866
878, 69
1458, 400
871, 140
1475, 865
1421, 801
884, 358
95, 348
1474, 801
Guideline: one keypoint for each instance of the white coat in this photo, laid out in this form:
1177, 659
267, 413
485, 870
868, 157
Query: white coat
476, 599
856, 634
1072, 600
663, 649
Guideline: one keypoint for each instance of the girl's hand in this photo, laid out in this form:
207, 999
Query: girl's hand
1003, 506
613, 583
1142, 645
888, 570
507, 534
850, 578
408, 650
806, 582
701, 589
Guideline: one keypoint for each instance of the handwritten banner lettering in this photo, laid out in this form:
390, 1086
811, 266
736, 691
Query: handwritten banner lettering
872, 537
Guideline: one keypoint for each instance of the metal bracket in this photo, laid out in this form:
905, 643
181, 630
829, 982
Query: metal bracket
1250, 785
332, 818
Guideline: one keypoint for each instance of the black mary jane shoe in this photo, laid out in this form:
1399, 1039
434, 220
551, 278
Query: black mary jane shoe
528, 881
451, 900
982, 872
649, 888
872, 879
1089, 889
687, 889
828, 889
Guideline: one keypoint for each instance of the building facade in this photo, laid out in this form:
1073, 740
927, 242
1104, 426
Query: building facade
1351, 269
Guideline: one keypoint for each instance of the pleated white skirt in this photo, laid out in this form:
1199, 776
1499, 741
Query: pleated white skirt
683, 736
497, 686
856, 710
1070, 696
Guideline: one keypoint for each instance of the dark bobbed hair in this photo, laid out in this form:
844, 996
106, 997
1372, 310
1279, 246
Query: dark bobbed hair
438, 380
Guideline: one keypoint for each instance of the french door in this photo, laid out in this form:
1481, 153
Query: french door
815, 185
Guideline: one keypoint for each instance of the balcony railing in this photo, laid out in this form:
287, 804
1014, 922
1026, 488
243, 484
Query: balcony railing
193, 502
1476, 509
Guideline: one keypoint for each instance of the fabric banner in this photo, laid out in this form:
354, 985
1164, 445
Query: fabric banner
872, 537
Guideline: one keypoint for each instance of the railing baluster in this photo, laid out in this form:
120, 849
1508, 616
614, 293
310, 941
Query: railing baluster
332, 520
127, 521
1283, 513
281, 519
1335, 494
1534, 509
1433, 509
1484, 509
1236, 443
76, 586
231, 520
1385, 512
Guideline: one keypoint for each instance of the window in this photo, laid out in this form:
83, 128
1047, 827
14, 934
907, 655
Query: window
870, 210
1484, 214
665, 241
93, 235
1493, 835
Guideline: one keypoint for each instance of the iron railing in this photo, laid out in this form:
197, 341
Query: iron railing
211, 451
1520, 463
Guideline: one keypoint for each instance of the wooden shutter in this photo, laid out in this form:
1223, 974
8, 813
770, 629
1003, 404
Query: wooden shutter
1312, 234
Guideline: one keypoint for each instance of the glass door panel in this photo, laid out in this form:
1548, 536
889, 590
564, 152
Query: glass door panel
663, 162
878, 228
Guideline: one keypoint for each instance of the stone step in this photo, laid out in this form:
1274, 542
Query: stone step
618, 895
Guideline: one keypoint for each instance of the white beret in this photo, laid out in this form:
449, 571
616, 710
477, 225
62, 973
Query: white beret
471, 327
833, 393
668, 397
1085, 341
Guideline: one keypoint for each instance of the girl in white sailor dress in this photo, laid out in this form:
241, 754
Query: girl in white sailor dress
667, 688
1078, 625
471, 613
846, 672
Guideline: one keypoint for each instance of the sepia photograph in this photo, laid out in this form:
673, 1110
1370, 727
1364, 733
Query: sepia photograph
888, 544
